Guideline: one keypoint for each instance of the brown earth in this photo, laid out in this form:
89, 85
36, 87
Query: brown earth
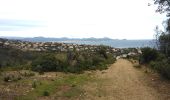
122, 81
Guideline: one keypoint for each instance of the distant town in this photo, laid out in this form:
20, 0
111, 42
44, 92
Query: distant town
64, 47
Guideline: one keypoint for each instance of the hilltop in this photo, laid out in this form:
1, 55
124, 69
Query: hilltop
48, 39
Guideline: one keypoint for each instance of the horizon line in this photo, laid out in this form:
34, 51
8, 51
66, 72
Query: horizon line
73, 37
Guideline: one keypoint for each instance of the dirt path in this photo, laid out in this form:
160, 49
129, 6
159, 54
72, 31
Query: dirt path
122, 82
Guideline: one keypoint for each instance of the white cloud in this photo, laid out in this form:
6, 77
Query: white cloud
131, 19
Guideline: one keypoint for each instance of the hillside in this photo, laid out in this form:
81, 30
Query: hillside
121, 81
54, 56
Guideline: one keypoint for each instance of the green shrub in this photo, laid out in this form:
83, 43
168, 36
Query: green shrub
102, 66
153, 65
73, 61
45, 63
34, 84
102, 51
7, 78
148, 54
162, 66
157, 61
10, 78
16, 78
46, 93
96, 60
19, 78
41, 72
27, 74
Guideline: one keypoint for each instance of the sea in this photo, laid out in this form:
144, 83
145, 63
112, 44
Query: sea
118, 43
115, 43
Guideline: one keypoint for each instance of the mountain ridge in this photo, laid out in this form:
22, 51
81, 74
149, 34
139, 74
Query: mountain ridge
51, 39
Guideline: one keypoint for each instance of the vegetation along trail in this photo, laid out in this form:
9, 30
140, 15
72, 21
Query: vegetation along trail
123, 82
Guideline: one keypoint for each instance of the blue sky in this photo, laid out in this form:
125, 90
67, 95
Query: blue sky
128, 19
18, 25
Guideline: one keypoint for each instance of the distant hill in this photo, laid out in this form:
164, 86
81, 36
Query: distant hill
45, 39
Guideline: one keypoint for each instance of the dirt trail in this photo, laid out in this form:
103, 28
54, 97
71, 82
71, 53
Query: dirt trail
122, 82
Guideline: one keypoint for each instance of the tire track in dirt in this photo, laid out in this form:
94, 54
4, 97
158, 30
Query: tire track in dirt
121, 82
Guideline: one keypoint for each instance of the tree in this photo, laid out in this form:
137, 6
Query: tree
163, 6
163, 37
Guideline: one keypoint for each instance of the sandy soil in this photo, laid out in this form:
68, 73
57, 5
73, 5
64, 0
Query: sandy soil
124, 82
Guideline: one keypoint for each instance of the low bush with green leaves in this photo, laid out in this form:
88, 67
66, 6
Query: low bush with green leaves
162, 66
157, 61
27, 74
46, 93
10, 78
7, 78
148, 55
73, 61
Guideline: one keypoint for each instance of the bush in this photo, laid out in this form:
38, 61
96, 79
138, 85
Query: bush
102, 51
45, 63
27, 74
10, 78
46, 93
96, 60
73, 61
41, 73
153, 65
163, 67
7, 78
148, 54
34, 84
157, 61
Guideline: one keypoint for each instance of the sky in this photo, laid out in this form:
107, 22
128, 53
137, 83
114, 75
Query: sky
116, 19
